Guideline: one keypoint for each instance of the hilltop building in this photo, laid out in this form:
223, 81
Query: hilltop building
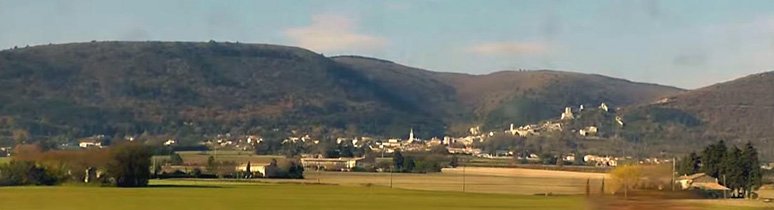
588, 131
567, 114
604, 107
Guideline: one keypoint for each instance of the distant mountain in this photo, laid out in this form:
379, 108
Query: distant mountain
738, 110
193, 89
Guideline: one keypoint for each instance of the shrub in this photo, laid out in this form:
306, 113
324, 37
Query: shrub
130, 165
27, 173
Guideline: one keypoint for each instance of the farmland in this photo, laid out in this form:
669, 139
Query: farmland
203, 194
481, 180
172, 195
200, 158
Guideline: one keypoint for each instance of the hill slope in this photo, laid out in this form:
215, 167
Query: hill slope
742, 108
192, 88
528, 96
498, 99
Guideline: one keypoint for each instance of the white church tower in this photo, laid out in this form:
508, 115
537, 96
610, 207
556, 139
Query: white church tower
411, 136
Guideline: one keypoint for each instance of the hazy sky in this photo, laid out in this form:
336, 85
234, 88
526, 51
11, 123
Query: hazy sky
682, 43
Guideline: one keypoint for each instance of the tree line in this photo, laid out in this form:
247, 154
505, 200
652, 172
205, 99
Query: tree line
123, 165
735, 168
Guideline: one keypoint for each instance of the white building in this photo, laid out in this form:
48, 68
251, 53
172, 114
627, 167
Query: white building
603, 106
90, 143
588, 131
567, 114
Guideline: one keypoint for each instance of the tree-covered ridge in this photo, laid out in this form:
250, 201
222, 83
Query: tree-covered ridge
189, 90
115, 88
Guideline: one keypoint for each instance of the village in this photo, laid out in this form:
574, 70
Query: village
367, 152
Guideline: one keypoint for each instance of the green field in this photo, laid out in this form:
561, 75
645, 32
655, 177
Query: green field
173, 195
4, 160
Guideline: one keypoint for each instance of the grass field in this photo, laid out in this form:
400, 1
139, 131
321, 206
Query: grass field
174, 195
4, 160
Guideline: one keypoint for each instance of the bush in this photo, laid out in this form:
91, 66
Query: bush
285, 169
130, 165
27, 173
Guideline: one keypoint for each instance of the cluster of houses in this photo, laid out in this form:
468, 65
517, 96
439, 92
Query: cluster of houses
5, 151
455, 145
602, 161
569, 114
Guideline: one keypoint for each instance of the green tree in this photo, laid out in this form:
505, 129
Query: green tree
211, 164
732, 173
26, 173
454, 162
690, 164
397, 160
130, 165
295, 171
410, 164
175, 159
712, 158
751, 169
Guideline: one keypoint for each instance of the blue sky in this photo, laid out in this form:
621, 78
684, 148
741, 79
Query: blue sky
687, 44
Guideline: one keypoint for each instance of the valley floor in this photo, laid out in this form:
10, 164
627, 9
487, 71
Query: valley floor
485, 188
179, 195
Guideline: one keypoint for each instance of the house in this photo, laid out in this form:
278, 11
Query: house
5, 151
588, 131
255, 168
336, 164
700, 181
88, 143
170, 142
475, 130
434, 142
467, 151
601, 161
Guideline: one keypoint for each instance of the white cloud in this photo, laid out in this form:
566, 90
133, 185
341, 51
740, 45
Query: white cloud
333, 33
509, 48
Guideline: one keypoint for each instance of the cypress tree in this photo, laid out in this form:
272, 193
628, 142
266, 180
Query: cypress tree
689, 164
712, 158
732, 169
751, 173
397, 160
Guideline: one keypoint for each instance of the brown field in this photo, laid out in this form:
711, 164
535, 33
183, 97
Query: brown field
476, 179
200, 158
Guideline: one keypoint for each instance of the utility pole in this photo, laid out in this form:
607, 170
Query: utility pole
674, 162
463, 177
391, 169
